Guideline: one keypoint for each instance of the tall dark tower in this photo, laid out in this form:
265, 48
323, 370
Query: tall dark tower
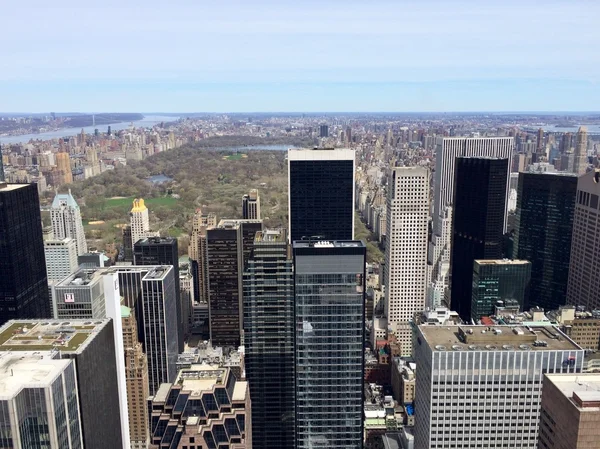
23, 279
321, 194
269, 340
2, 178
544, 226
478, 222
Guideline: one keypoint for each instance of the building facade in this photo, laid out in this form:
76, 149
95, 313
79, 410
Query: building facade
198, 253
139, 221
63, 165
61, 258
269, 340
79, 296
405, 268
251, 205
66, 221
543, 232
580, 160
329, 282
321, 194
482, 388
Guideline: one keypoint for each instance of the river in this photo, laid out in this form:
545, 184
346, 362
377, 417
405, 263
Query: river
147, 122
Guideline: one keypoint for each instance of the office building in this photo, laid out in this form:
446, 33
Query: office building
269, 340
139, 221
39, 401
329, 282
63, 165
323, 131
66, 221
570, 417
581, 326
405, 268
583, 288
91, 345
251, 205
228, 247
79, 296
186, 293
2, 177
61, 258
477, 228
496, 282
23, 278
162, 251
198, 253
481, 387
136, 375
321, 194
127, 245
580, 159
543, 232
205, 407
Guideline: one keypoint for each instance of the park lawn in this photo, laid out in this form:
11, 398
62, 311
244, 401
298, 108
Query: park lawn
235, 157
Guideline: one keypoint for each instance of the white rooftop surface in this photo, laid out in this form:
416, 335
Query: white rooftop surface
8, 187
587, 386
309, 154
239, 391
21, 370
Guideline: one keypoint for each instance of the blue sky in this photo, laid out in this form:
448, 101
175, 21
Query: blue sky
309, 55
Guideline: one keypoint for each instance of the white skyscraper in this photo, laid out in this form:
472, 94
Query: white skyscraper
66, 221
140, 223
405, 271
61, 258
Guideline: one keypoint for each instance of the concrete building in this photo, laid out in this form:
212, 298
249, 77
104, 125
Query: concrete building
39, 401
63, 165
197, 253
66, 221
139, 221
61, 258
570, 417
583, 287
205, 407
580, 160
405, 269
79, 296
251, 205
481, 387
581, 326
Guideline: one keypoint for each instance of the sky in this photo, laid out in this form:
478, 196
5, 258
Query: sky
302, 55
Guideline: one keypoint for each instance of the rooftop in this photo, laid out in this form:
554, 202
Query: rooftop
70, 336
501, 262
323, 154
582, 389
495, 338
82, 278
271, 235
234, 223
200, 378
329, 244
64, 200
155, 241
4, 187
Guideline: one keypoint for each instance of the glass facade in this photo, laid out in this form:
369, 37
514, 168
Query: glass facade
478, 223
269, 340
544, 226
329, 339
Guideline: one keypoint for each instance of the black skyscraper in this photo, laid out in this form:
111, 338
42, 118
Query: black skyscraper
23, 280
269, 340
477, 224
545, 208
321, 194
162, 251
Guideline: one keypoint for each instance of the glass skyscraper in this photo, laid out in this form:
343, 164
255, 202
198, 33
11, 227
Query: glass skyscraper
329, 283
269, 340
544, 226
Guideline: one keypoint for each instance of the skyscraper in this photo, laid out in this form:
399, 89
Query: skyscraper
2, 178
66, 220
140, 223
543, 230
329, 282
162, 251
479, 388
63, 165
80, 296
321, 194
251, 205
583, 287
269, 340
61, 258
499, 280
197, 253
23, 278
405, 269
478, 219
580, 163
323, 131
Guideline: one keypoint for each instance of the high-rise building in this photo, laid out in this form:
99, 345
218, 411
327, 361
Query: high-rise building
348, 135
162, 251
405, 269
329, 282
478, 219
321, 194
540, 141
23, 278
583, 287
127, 245
136, 375
269, 340
79, 296
228, 247
251, 205
198, 254
205, 407
66, 220
91, 345
543, 230
478, 387
39, 401
497, 282
63, 165
61, 258
140, 222
580, 163
2, 177
323, 131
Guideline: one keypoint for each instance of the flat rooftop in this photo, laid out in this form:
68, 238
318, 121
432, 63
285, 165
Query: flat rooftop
582, 389
29, 369
501, 262
494, 338
68, 336
4, 187
321, 154
233, 223
82, 278
328, 244
201, 377
271, 235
